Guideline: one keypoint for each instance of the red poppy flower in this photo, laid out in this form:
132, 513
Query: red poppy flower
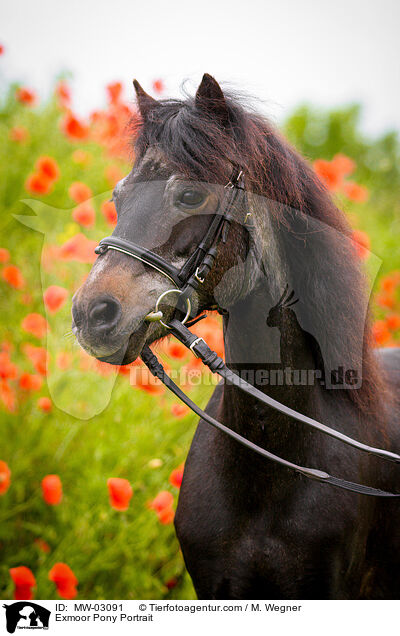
84, 214
176, 476
54, 298
19, 134
162, 504
328, 174
158, 86
396, 276
78, 248
386, 300
362, 243
380, 332
79, 192
38, 183
103, 368
355, 192
35, 324
45, 404
25, 96
38, 356
7, 395
120, 492
114, 92
8, 370
166, 515
30, 382
179, 410
109, 212
24, 582
343, 164
63, 94
1, 49
389, 284
73, 127
171, 583
52, 489
164, 499
43, 545
125, 369
211, 330
5, 477
146, 382
12, 275
65, 580
393, 322
176, 350
4, 255
48, 167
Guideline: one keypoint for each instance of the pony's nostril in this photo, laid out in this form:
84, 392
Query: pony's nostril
105, 313
102, 311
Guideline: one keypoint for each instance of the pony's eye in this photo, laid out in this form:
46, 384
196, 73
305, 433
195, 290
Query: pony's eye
191, 198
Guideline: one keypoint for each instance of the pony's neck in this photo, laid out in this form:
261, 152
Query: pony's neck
279, 362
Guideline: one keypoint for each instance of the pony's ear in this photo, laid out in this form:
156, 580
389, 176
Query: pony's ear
146, 103
210, 98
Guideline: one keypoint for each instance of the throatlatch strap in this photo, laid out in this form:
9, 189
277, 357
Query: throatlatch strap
211, 359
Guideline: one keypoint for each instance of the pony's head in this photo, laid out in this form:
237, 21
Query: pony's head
184, 153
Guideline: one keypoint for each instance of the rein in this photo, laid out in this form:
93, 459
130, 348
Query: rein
187, 280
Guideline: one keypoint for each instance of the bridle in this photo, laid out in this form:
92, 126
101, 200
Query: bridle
189, 279
193, 272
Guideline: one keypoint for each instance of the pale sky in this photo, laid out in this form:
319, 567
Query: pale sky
283, 51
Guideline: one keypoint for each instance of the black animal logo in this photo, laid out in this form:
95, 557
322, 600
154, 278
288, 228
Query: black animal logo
296, 344
277, 311
26, 615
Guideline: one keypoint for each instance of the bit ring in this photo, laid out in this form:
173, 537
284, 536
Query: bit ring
160, 314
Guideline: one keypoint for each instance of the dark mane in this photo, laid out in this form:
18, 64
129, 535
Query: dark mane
332, 285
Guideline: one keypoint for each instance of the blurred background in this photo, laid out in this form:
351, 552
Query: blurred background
91, 457
327, 53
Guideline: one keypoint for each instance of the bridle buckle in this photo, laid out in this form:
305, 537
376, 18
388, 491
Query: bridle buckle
232, 184
197, 277
194, 343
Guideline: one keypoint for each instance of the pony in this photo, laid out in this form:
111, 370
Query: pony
248, 528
